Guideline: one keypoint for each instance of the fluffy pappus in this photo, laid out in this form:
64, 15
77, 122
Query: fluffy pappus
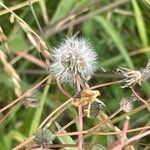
127, 103
73, 56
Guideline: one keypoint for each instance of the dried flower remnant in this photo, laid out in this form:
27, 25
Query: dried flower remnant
43, 138
131, 77
146, 71
94, 110
87, 98
30, 101
126, 104
73, 56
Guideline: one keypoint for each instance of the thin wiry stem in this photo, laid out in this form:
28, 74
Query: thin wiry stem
55, 112
67, 125
105, 84
137, 137
4, 117
35, 17
32, 59
62, 89
141, 99
17, 6
102, 133
37, 22
87, 131
78, 19
36, 40
23, 143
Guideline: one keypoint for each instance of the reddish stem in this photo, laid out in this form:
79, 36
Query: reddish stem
80, 114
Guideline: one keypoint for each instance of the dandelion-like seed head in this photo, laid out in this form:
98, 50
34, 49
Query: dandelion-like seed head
127, 103
73, 56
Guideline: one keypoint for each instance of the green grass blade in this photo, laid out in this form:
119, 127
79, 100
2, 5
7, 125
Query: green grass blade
140, 23
39, 110
17, 136
44, 11
116, 37
66, 139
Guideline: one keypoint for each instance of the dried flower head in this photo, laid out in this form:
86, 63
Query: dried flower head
85, 97
131, 77
43, 138
146, 71
126, 104
88, 99
94, 110
73, 56
31, 100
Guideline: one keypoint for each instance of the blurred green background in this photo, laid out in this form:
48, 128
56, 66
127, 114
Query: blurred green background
119, 30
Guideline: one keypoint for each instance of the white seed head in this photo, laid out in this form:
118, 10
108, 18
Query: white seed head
73, 56
127, 103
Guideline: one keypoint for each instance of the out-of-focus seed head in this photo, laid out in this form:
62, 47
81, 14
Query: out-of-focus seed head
73, 56
94, 110
131, 77
97, 147
126, 104
146, 71
31, 99
43, 138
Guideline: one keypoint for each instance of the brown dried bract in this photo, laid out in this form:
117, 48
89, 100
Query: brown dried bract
86, 96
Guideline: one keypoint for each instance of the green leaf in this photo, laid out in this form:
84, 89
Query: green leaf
116, 37
62, 10
18, 41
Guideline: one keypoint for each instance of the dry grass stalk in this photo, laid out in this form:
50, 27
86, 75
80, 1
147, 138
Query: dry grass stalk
36, 40
4, 40
17, 6
12, 73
